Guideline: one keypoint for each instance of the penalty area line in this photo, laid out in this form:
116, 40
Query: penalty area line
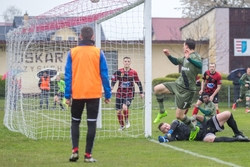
195, 154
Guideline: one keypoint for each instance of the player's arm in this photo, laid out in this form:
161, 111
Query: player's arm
68, 78
196, 63
173, 60
138, 82
104, 76
174, 125
140, 87
113, 80
205, 112
243, 80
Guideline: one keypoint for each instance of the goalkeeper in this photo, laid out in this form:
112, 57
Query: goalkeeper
58, 98
178, 131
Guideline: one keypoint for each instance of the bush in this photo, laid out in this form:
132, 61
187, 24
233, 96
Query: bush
224, 76
174, 75
162, 80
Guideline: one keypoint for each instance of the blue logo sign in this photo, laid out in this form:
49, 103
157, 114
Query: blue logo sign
241, 46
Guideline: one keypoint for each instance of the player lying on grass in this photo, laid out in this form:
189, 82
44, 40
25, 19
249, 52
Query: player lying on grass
178, 131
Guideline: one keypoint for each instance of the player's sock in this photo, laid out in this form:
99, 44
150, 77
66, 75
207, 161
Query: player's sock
74, 150
74, 156
125, 113
61, 105
186, 120
195, 111
217, 111
233, 125
75, 133
120, 119
87, 155
90, 136
159, 99
225, 139
247, 104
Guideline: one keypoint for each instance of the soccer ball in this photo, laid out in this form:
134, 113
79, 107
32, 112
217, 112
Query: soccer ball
94, 1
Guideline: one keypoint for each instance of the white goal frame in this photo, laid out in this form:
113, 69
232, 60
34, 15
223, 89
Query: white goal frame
14, 117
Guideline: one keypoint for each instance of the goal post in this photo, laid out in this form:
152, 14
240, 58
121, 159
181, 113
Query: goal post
148, 68
122, 29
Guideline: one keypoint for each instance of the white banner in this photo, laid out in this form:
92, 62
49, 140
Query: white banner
241, 47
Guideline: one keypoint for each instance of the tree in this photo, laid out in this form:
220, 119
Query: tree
195, 8
10, 12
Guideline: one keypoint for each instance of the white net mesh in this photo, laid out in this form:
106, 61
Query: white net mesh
44, 41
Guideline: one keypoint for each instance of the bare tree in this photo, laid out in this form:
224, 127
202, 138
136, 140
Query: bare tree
10, 12
210, 42
195, 8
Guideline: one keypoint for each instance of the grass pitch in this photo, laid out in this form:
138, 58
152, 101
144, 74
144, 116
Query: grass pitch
16, 150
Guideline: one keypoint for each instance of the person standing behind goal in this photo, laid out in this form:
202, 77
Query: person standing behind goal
85, 72
125, 91
58, 98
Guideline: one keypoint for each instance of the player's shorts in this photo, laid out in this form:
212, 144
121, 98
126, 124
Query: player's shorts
184, 97
215, 101
60, 95
120, 101
210, 126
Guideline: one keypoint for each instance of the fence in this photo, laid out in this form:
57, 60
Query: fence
226, 97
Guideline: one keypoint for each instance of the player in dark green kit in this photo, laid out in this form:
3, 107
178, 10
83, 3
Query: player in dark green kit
245, 90
183, 88
209, 109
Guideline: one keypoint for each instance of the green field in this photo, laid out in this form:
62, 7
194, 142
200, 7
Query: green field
17, 150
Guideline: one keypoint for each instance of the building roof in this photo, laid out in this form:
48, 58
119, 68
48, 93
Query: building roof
4, 29
163, 29
167, 28
51, 27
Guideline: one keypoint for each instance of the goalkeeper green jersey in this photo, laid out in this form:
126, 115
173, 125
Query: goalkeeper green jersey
61, 86
189, 72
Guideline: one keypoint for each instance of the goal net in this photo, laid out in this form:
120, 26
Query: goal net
42, 44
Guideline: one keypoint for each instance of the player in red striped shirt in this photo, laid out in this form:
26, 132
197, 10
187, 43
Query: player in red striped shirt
211, 84
125, 91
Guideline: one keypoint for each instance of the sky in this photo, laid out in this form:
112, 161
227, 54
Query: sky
160, 8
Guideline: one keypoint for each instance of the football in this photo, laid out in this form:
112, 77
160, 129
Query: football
94, 1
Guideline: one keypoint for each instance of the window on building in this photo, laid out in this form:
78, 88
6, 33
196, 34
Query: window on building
112, 61
71, 38
58, 38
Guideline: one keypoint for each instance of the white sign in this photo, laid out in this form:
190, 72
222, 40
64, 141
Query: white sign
241, 47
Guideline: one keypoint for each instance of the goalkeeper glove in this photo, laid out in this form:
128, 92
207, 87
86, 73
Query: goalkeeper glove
169, 133
162, 139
